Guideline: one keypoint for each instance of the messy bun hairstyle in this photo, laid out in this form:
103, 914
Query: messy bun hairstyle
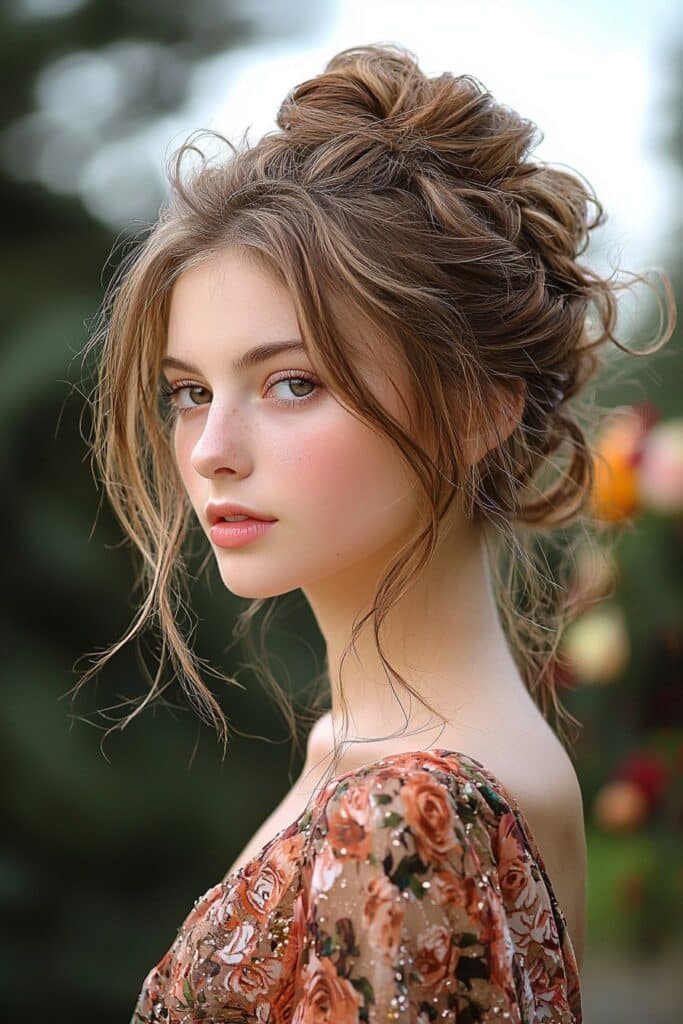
412, 203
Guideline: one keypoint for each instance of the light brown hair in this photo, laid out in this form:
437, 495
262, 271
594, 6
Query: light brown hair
413, 202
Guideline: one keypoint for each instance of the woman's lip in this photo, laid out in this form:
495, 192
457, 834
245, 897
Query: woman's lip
247, 518
236, 534
215, 511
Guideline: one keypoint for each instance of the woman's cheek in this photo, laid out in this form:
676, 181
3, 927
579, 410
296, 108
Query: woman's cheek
346, 481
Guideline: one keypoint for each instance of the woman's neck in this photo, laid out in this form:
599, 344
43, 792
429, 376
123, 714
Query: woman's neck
444, 637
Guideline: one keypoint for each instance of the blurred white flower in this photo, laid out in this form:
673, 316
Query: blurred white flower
597, 645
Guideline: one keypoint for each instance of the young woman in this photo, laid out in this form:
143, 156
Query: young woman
367, 329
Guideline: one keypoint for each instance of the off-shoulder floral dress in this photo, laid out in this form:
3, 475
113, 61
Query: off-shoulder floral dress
410, 890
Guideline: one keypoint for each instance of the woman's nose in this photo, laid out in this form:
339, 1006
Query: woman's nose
221, 443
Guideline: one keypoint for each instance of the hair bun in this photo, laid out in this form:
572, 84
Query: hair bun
381, 94
360, 86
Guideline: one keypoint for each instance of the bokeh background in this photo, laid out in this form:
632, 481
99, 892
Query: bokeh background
105, 846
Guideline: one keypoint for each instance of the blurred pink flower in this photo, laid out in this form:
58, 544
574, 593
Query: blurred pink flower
660, 469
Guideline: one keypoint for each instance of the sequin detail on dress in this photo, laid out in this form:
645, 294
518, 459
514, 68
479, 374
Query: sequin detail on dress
412, 890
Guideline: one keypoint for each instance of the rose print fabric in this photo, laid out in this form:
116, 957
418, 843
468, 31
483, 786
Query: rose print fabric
411, 890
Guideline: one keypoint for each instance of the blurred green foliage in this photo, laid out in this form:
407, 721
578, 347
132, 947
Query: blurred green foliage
103, 850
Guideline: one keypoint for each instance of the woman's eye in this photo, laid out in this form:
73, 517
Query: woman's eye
170, 395
292, 381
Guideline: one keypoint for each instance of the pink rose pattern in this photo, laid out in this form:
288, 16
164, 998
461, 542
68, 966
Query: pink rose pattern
411, 890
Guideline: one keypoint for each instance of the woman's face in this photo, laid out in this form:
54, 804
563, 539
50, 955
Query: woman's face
339, 492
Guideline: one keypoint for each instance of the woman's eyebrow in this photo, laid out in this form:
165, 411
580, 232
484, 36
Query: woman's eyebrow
256, 355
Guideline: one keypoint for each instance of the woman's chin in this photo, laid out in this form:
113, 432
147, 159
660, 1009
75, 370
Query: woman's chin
250, 587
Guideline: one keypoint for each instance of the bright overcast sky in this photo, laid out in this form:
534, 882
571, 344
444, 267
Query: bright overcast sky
590, 73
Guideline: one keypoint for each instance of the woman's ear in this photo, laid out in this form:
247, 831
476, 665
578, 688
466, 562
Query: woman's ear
494, 424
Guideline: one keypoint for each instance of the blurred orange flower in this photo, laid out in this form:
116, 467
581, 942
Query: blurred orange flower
620, 806
615, 494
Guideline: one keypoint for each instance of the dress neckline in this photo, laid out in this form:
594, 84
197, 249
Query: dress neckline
440, 752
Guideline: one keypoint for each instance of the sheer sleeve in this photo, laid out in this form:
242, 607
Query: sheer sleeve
404, 915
